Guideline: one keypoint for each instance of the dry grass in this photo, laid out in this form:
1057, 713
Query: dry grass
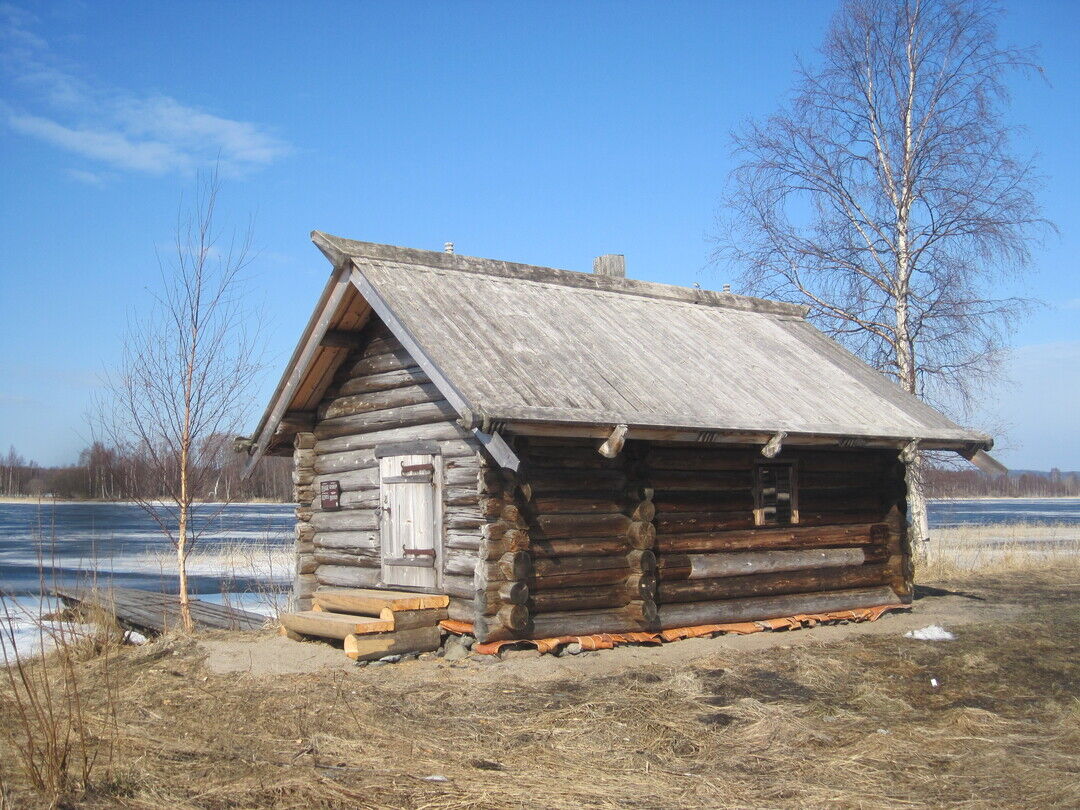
61, 748
965, 550
844, 724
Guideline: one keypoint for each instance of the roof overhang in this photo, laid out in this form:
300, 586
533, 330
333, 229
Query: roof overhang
349, 300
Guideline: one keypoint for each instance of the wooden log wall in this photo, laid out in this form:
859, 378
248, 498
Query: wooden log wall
379, 396
303, 474
663, 535
500, 585
581, 538
849, 539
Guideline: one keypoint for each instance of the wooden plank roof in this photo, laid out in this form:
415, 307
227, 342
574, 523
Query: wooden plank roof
515, 344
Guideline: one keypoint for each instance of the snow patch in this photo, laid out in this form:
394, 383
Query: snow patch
933, 632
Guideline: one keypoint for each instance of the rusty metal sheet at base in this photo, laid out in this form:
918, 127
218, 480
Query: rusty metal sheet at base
606, 641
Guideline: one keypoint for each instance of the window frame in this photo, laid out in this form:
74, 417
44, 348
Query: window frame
759, 506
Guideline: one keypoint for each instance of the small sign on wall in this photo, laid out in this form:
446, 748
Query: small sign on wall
330, 495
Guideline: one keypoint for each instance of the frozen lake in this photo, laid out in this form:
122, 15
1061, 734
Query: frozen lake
246, 545
244, 555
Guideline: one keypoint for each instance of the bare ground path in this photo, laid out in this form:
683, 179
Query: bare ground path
268, 654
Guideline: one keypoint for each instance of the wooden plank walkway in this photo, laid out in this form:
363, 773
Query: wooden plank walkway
153, 613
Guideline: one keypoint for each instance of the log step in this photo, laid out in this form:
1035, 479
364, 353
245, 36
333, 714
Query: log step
334, 625
370, 647
372, 602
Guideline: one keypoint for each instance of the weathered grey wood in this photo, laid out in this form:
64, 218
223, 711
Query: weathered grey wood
396, 359
461, 563
345, 520
368, 540
304, 586
589, 598
488, 602
510, 566
774, 583
363, 558
781, 538
385, 381
405, 416
351, 480
551, 527
417, 447
588, 546
600, 576
632, 618
466, 541
347, 576
461, 610
811, 389
692, 614
154, 613
461, 587
738, 563
610, 264
356, 404
436, 431
359, 499
498, 449
573, 565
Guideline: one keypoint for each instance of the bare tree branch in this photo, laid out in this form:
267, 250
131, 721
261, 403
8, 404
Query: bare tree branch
884, 196
186, 375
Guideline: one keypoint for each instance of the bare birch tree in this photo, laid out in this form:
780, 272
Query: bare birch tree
186, 375
884, 196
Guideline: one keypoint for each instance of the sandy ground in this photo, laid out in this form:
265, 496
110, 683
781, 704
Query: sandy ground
263, 654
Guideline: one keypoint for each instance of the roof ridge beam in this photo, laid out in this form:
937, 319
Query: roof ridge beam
337, 249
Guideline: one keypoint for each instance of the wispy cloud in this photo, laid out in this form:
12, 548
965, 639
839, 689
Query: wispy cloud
111, 126
83, 176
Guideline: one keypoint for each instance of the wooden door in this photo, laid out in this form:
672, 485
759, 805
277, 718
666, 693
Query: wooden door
409, 522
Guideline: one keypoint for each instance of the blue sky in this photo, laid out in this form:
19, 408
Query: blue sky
539, 132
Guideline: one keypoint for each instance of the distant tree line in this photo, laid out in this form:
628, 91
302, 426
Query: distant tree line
944, 482
106, 473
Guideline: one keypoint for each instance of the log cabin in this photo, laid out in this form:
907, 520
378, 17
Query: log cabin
564, 453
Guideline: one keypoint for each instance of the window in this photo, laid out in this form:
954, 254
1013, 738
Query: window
775, 496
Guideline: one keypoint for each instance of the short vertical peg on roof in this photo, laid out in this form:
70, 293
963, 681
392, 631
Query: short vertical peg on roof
610, 264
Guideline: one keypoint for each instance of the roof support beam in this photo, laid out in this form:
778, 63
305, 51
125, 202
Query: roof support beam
772, 447
613, 445
340, 339
986, 462
910, 451
498, 449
